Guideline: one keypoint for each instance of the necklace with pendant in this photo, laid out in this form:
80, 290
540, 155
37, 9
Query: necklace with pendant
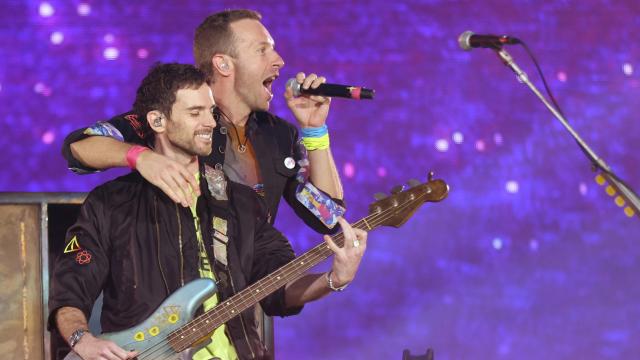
242, 146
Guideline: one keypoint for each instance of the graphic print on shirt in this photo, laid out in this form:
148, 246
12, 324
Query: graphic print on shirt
220, 240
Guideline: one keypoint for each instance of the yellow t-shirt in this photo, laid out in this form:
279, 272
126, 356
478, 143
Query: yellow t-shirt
220, 346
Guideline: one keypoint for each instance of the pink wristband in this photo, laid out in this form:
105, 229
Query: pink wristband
133, 153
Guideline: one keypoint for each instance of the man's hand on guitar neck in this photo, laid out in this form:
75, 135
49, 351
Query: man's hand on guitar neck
346, 261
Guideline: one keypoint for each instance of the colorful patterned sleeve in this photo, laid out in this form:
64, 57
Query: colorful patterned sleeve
125, 127
321, 205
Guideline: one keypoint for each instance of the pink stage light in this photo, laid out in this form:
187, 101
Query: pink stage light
583, 189
349, 170
562, 76
48, 137
39, 87
143, 53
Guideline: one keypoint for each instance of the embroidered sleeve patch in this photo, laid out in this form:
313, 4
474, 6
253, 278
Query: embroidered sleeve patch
83, 257
72, 246
320, 204
102, 128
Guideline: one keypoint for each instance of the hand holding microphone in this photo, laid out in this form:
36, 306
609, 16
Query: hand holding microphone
312, 110
309, 111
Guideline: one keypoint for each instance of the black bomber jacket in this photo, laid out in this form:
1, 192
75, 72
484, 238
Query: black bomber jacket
139, 247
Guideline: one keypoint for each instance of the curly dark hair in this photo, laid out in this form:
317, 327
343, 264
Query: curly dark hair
214, 36
158, 90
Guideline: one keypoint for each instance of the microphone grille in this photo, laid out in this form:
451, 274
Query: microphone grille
295, 87
464, 40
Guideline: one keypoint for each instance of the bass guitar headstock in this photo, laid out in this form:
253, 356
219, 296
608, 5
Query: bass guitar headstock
395, 209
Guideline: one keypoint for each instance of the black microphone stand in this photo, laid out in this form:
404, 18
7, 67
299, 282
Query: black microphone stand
598, 164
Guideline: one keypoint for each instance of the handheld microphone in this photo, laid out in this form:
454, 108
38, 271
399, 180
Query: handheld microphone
468, 40
332, 90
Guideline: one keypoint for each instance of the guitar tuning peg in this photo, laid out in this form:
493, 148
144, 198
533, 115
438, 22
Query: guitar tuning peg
397, 189
413, 182
430, 176
379, 196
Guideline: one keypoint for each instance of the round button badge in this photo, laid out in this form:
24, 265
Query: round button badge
289, 163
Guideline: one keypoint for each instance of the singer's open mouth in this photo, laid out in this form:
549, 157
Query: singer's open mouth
268, 82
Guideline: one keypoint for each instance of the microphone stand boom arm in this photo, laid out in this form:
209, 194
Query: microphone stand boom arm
598, 163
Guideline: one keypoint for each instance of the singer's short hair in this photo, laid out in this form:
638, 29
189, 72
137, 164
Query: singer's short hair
214, 36
158, 90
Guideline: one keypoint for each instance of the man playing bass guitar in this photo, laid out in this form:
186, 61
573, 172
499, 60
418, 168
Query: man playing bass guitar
137, 246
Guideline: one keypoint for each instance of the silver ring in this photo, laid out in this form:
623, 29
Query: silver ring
356, 243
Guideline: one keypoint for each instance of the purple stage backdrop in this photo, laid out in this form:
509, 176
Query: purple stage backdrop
528, 258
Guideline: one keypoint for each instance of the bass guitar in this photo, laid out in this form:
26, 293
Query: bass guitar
171, 331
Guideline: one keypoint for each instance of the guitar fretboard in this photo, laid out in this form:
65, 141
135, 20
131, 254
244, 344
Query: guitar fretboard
203, 325
389, 211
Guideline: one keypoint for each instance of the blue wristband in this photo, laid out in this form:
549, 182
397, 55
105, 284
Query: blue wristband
314, 132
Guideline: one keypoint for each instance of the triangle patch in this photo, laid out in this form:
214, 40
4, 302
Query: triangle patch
72, 246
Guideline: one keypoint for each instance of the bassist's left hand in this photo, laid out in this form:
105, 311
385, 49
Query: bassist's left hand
347, 258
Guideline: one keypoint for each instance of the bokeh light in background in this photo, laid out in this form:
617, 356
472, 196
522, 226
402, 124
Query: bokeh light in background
528, 258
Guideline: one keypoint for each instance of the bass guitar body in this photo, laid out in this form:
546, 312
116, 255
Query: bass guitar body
151, 335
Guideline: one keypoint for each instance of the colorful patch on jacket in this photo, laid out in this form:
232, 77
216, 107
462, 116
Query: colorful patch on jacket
83, 257
72, 246
102, 128
320, 204
216, 182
